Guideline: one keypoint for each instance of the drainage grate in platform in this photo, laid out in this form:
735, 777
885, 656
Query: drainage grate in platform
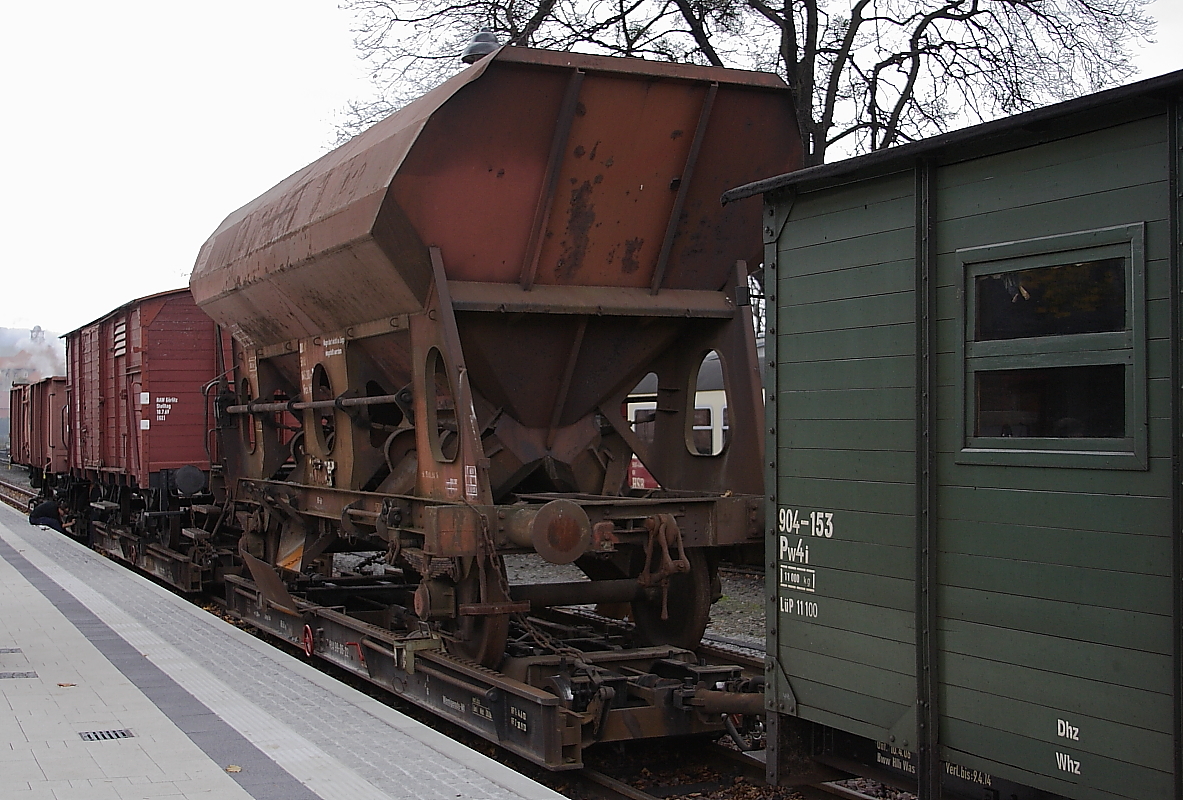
10, 649
101, 736
18, 675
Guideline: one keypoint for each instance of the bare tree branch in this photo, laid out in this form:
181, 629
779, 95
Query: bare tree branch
865, 74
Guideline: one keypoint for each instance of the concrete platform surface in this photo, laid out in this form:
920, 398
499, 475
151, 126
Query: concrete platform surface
113, 688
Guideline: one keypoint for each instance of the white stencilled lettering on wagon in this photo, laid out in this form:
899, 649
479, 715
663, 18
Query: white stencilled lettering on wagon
967, 774
164, 407
1067, 763
481, 710
794, 553
798, 607
1067, 731
896, 758
815, 523
799, 578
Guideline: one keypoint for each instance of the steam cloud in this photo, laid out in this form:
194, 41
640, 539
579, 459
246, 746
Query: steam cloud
26, 355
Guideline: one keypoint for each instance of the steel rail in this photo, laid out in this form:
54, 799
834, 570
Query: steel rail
610, 787
824, 791
16, 496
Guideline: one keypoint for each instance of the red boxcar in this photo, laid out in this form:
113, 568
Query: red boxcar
18, 438
136, 377
38, 427
138, 480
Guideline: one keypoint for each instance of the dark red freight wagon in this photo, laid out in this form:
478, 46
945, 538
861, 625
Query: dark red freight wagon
38, 427
137, 375
17, 438
138, 428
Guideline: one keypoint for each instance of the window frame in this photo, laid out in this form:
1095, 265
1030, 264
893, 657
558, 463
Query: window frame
709, 427
1127, 347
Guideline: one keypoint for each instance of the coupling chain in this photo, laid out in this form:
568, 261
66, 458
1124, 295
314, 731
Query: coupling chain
494, 558
540, 637
548, 642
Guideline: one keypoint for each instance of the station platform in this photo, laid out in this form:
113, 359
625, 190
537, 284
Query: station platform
113, 688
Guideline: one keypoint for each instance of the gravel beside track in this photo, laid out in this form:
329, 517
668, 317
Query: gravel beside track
15, 493
16, 475
738, 615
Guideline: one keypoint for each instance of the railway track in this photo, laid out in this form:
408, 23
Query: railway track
729, 775
16, 495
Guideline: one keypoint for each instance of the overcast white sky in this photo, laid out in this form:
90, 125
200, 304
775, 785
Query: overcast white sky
132, 128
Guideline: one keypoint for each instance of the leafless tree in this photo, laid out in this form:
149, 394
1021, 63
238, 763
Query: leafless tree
865, 74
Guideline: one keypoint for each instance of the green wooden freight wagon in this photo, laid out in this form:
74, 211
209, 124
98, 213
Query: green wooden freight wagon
973, 378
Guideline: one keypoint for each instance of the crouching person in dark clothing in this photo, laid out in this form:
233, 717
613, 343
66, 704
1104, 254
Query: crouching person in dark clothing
48, 514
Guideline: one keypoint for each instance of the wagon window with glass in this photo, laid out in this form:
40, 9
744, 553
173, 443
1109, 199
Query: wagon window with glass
1054, 351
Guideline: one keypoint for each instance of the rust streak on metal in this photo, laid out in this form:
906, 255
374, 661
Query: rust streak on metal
492, 609
683, 187
553, 168
608, 301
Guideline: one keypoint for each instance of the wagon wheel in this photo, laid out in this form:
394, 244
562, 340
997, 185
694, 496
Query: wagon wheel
688, 603
688, 606
481, 638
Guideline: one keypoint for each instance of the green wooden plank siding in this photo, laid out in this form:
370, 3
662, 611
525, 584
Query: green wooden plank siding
874, 620
865, 281
1072, 547
1051, 659
885, 498
890, 403
890, 372
1034, 606
1100, 777
1105, 588
869, 341
1118, 514
1072, 618
852, 312
869, 588
845, 380
881, 529
1055, 584
865, 653
846, 434
866, 465
1105, 738
1122, 157
1107, 701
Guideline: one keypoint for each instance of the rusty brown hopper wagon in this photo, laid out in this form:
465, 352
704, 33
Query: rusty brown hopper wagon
438, 323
